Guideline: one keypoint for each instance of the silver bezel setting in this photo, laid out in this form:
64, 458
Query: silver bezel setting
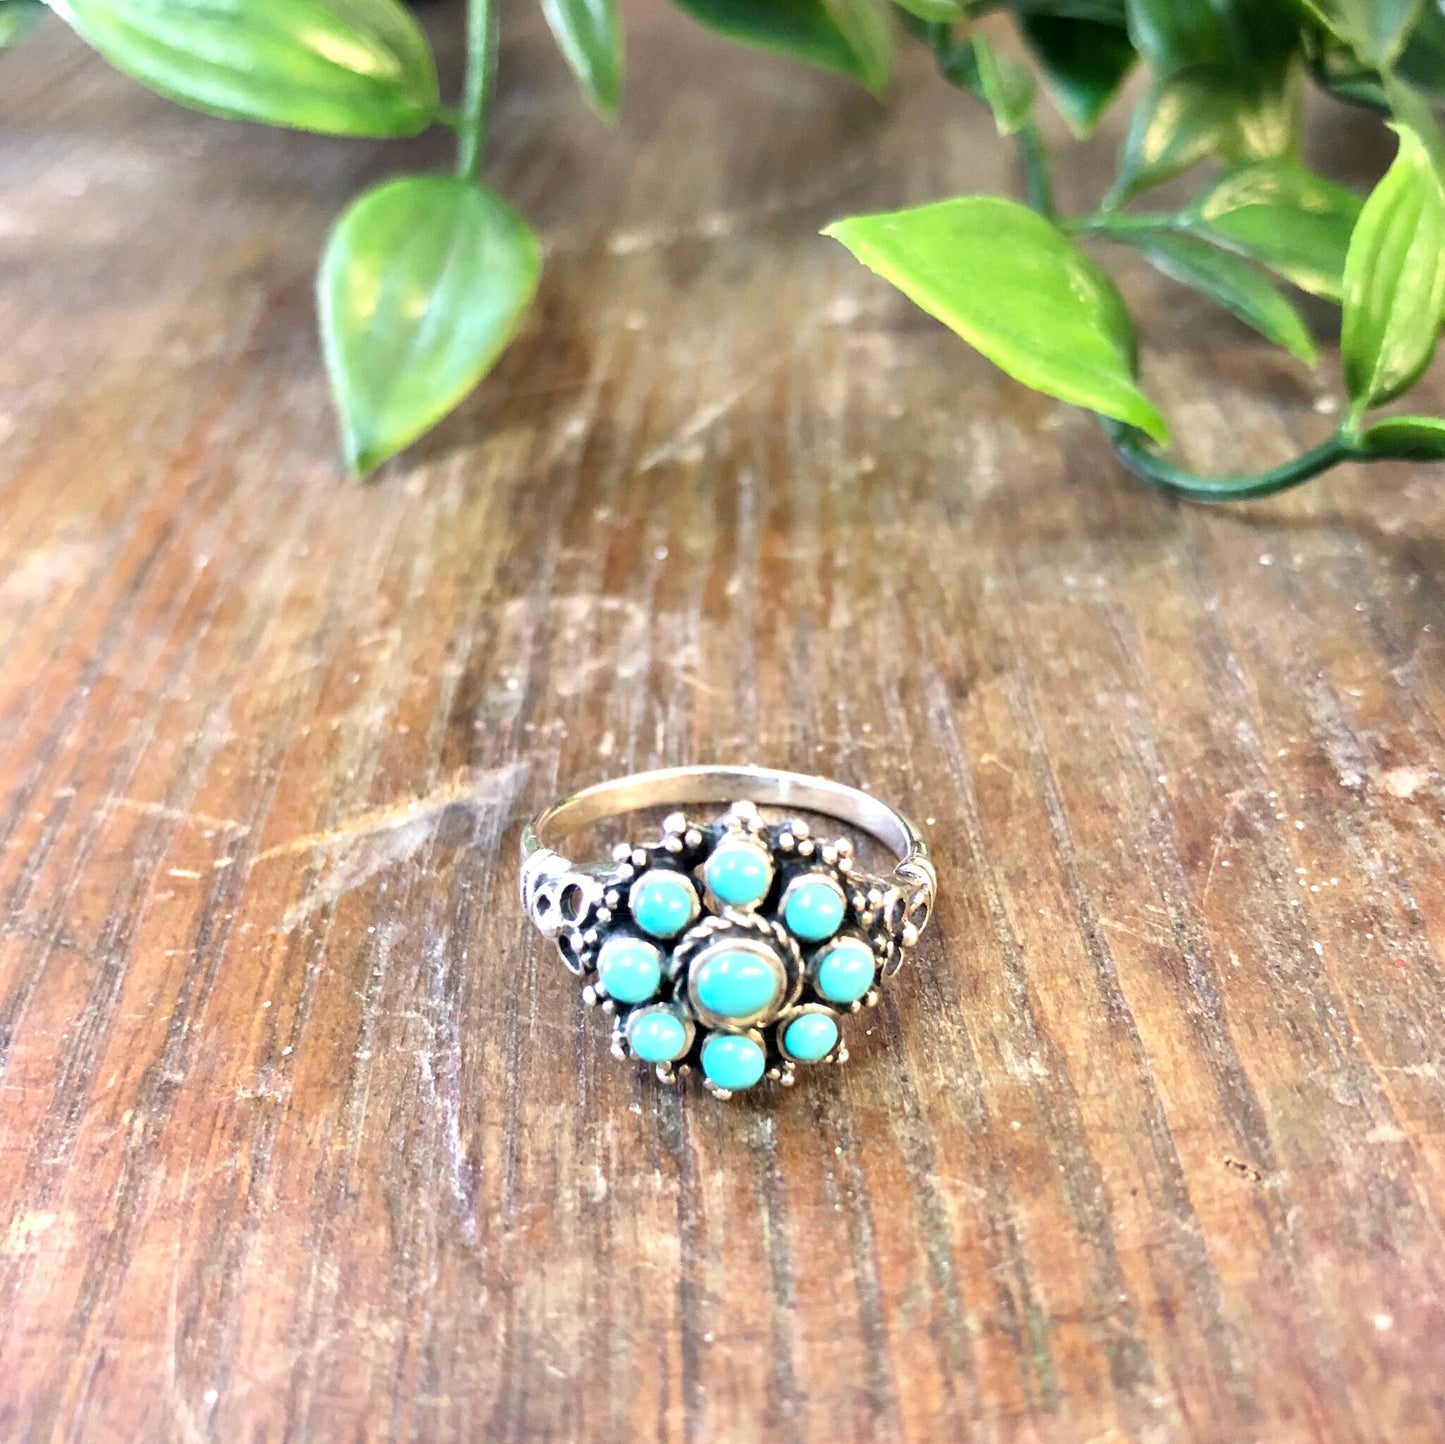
739, 932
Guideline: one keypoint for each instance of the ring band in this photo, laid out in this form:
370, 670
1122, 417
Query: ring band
733, 946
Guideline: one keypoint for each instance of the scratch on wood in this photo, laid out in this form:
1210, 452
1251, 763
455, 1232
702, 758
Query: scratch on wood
374, 840
481, 789
1221, 836
675, 448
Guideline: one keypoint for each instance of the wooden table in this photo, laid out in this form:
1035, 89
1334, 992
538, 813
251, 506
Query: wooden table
306, 1136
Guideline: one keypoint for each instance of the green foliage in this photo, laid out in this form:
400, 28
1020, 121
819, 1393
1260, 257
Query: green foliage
1409, 438
589, 36
936, 10
1223, 277
1376, 30
1225, 87
1008, 88
423, 283
1296, 222
1084, 63
342, 67
1395, 279
16, 17
846, 35
1014, 286
427, 278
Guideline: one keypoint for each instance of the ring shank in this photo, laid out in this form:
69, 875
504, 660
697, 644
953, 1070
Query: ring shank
681, 786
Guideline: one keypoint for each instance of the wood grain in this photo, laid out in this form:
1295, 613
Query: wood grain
304, 1136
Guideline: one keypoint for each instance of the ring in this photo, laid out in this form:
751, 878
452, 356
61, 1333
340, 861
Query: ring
736, 946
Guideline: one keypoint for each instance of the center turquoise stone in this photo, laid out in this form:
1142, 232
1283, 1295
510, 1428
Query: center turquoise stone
736, 983
663, 902
739, 872
732, 1062
813, 908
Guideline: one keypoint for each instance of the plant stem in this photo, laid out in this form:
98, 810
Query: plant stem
1034, 161
1134, 452
477, 90
1103, 222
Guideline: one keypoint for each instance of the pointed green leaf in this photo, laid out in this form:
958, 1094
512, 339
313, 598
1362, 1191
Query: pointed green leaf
1008, 88
1375, 29
342, 67
1016, 288
1410, 438
1395, 279
866, 26
423, 283
1250, 41
1204, 112
1294, 221
1175, 125
1177, 34
590, 39
16, 17
1224, 278
846, 35
1084, 64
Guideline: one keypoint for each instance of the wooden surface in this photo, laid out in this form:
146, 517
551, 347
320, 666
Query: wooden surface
305, 1136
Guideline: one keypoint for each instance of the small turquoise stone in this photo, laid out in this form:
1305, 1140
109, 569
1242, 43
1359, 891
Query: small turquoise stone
663, 903
845, 971
739, 873
811, 1036
732, 1062
657, 1036
813, 909
630, 969
735, 984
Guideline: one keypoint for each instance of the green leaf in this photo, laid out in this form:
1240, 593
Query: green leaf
1395, 279
866, 26
1101, 12
16, 17
1017, 289
1084, 64
1204, 112
342, 67
1008, 88
847, 35
1375, 29
1226, 83
423, 283
590, 39
1296, 222
1410, 438
1224, 278
1422, 62
1176, 34
1178, 123
938, 11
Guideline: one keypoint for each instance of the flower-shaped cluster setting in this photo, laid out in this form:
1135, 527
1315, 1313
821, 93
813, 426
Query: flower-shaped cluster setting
737, 948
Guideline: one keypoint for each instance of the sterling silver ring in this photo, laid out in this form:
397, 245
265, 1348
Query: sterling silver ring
733, 946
